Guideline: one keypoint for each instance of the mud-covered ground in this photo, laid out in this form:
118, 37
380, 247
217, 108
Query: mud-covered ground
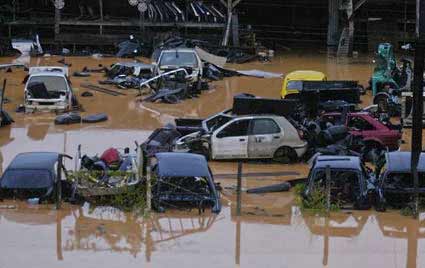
271, 233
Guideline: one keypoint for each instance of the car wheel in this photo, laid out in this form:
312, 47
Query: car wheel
285, 155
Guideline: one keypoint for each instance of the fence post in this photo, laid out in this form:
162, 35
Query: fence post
59, 182
148, 187
239, 190
328, 188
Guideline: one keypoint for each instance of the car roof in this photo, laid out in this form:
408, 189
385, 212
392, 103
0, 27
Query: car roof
305, 75
400, 162
48, 74
34, 160
182, 165
338, 162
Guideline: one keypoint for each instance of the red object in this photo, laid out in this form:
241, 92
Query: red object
374, 131
111, 156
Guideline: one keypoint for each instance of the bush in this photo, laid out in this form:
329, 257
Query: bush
316, 202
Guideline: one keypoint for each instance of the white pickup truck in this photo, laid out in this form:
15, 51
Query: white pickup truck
48, 89
224, 136
186, 58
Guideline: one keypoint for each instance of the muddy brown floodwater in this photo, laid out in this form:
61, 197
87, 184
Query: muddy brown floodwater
271, 233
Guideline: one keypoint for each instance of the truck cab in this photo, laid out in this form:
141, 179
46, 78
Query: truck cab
292, 84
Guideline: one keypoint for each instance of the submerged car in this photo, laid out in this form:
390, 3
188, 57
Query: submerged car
395, 186
186, 58
33, 175
227, 136
184, 180
48, 89
350, 181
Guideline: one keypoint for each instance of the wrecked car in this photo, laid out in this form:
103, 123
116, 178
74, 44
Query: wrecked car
395, 185
48, 89
375, 134
5, 118
351, 183
239, 137
186, 58
183, 180
111, 173
34, 175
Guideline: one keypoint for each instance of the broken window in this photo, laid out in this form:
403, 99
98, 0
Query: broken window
403, 180
216, 122
184, 185
52, 83
345, 184
265, 126
360, 124
235, 129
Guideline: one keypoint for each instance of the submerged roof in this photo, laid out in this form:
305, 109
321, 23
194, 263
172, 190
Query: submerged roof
34, 160
182, 165
338, 162
400, 162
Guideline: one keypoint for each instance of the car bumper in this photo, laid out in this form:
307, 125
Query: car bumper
301, 149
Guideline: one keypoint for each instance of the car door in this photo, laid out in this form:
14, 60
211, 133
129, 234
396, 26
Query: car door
265, 136
231, 140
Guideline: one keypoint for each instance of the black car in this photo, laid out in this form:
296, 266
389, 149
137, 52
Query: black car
33, 175
351, 182
395, 186
183, 180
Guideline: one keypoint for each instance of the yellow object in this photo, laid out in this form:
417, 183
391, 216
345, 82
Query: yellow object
292, 82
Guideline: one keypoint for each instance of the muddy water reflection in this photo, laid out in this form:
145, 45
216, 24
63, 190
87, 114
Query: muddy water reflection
271, 232
83, 236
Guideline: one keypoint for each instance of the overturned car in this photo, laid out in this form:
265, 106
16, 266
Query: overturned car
48, 89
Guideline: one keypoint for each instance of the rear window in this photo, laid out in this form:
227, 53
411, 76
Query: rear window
403, 180
26, 179
184, 185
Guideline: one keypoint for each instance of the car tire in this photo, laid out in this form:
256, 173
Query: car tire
285, 155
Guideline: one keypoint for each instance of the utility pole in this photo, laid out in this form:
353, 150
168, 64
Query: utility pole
418, 96
230, 5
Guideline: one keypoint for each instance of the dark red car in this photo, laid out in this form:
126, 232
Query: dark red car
374, 133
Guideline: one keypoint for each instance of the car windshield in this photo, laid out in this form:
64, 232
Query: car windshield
403, 180
295, 85
178, 59
216, 122
184, 185
26, 179
52, 83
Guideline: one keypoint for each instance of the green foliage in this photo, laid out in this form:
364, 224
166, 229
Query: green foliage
316, 202
127, 198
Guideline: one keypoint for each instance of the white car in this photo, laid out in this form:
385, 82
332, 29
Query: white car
173, 59
241, 137
48, 89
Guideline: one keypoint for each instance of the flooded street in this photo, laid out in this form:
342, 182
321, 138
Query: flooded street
272, 232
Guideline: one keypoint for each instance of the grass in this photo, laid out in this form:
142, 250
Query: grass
317, 201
